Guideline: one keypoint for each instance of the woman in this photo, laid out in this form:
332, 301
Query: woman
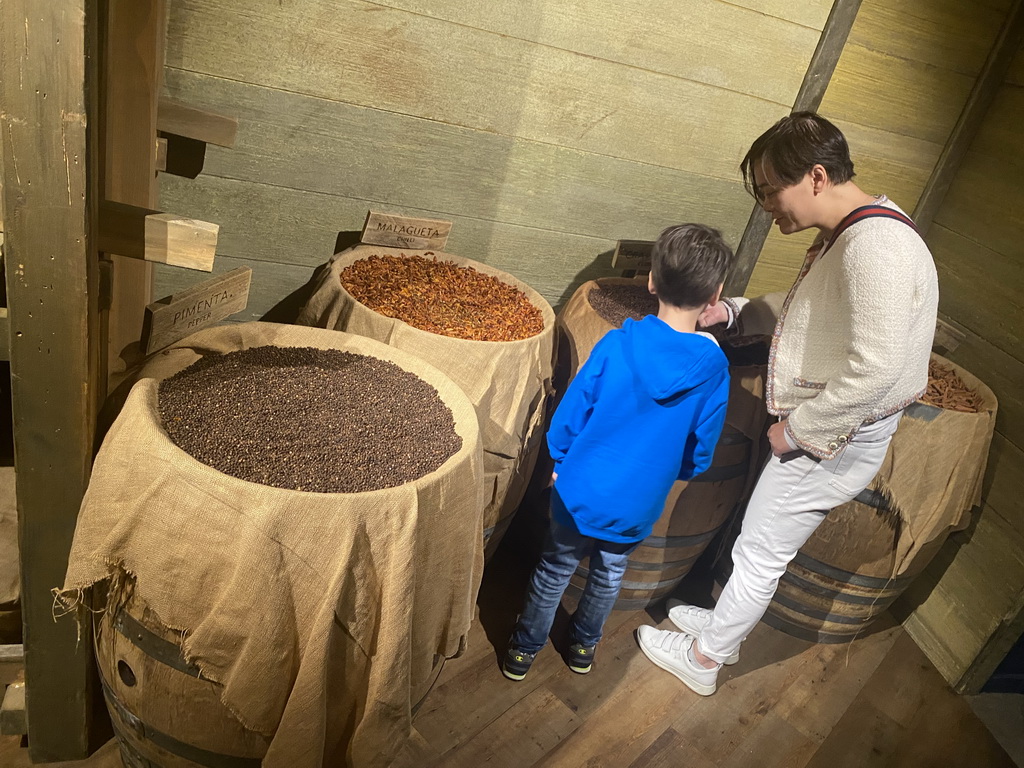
850, 348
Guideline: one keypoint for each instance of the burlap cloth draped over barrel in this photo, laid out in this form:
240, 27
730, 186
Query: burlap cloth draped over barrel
507, 381
319, 613
931, 476
579, 328
931, 479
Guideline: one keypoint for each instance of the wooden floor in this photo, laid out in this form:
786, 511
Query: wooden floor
787, 703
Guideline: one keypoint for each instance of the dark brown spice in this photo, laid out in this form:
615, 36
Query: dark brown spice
616, 303
443, 298
308, 419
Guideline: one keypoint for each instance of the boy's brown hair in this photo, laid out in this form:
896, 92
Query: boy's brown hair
688, 264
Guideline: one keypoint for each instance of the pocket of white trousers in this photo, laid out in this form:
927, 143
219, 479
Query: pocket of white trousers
857, 466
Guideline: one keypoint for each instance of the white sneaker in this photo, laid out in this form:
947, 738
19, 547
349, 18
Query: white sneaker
691, 619
672, 652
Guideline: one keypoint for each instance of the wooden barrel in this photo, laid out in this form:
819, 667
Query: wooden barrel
165, 712
842, 580
394, 571
866, 553
508, 382
695, 511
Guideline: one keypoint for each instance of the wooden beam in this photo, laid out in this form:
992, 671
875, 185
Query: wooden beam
990, 80
992, 654
47, 88
812, 90
133, 50
162, 238
193, 123
13, 720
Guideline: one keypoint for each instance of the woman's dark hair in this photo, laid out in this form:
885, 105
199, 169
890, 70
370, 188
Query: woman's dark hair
796, 144
688, 263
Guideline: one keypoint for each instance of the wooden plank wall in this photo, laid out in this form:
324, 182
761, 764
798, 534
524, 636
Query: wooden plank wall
544, 130
975, 612
900, 85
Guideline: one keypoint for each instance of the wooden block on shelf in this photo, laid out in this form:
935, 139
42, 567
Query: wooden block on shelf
404, 232
163, 238
174, 317
12, 713
200, 124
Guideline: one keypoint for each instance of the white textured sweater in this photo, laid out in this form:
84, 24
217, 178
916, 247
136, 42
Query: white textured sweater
852, 339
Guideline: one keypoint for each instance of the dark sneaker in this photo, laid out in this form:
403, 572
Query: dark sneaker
580, 658
517, 664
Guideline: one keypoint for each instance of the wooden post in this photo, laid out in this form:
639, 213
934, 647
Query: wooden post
985, 87
812, 90
47, 88
133, 77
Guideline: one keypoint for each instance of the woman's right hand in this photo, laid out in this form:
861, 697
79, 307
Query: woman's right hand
713, 315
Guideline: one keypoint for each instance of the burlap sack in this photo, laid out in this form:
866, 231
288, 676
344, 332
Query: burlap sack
930, 480
10, 577
299, 604
579, 328
508, 381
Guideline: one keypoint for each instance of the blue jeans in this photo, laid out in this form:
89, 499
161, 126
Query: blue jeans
563, 550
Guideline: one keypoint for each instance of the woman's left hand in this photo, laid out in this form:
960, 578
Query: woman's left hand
777, 437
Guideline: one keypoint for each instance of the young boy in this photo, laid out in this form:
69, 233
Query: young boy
646, 409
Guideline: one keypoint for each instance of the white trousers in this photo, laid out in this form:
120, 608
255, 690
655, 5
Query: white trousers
788, 504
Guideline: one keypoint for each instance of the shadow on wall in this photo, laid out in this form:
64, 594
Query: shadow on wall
288, 308
601, 266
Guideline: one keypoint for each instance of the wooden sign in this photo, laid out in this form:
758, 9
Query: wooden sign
633, 254
947, 337
175, 317
403, 232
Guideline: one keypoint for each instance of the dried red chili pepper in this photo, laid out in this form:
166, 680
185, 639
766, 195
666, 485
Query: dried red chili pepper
442, 297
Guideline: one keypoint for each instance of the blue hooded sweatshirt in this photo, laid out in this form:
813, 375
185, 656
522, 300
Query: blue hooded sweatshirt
645, 410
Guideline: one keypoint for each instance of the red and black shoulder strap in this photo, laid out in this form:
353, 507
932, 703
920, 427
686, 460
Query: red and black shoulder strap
867, 212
